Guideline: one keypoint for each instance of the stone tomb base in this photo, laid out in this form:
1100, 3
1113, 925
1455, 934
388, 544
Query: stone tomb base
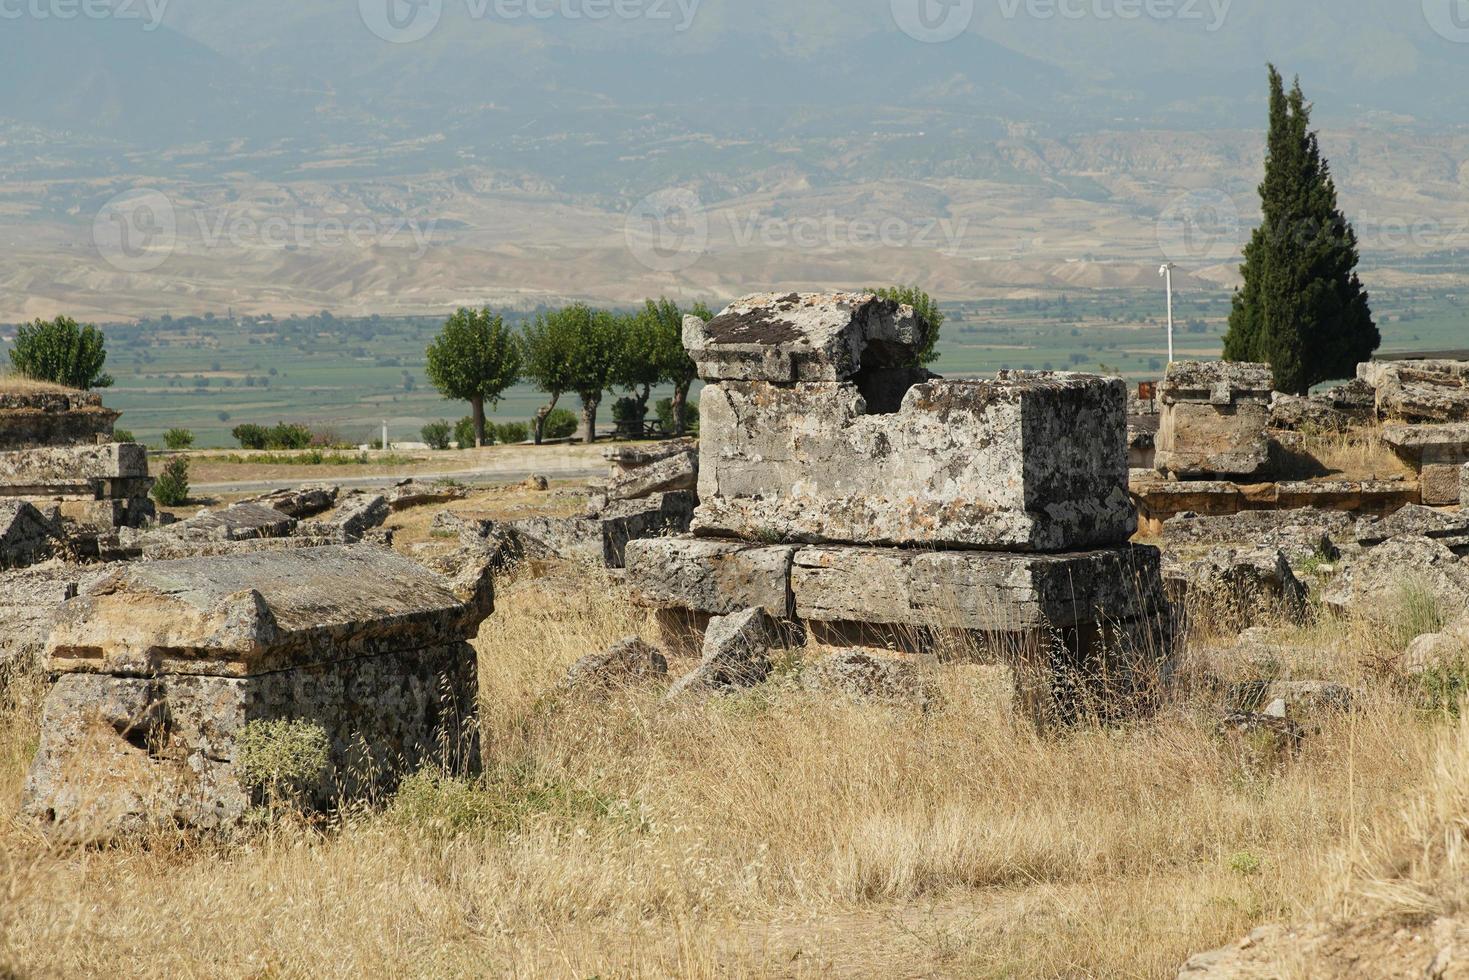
1069, 615
162, 673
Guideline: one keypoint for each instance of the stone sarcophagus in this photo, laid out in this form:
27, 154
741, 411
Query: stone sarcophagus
1026, 464
848, 491
166, 677
1213, 418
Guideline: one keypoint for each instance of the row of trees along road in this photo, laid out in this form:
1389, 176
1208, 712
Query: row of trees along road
584, 352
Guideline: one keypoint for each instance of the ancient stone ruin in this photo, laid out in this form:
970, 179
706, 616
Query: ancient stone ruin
844, 490
649, 492
165, 676
1213, 419
57, 454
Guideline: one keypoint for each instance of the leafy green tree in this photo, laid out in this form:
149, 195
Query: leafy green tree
637, 368
561, 424
572, 350
474, 359
1302, 308
927, 311
61, 352
664, 322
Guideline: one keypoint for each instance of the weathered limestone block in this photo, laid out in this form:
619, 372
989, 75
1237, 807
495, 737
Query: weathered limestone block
1464, 487
627, 663
676, 471
803, 337
49, 415
1419, 391
711, 576
160, 666
83, 471
736, 654
26, 535
1213, 419
1413, 520
1034, 463
28, 600
1250, 581
301, 502
990, 592
861, 676
1300, 534
356, 514
630, 457
1364, 496
239, 522
605, 537
1437, 452
1335, 410
1378, 583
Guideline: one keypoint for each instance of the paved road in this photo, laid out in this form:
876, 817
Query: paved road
486, 477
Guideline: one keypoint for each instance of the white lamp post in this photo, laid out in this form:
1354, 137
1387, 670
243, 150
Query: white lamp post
1166, 271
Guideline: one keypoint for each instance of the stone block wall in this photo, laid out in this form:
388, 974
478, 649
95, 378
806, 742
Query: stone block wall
1213, 417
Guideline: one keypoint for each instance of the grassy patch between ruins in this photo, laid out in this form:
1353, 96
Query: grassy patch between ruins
777, 834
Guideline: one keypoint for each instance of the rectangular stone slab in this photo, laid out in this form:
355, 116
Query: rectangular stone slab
1032, 463
53, 416
1198, 439
715, 577
250, 614
71, 465
1216, 382
974, 590
1429, 445
786, 337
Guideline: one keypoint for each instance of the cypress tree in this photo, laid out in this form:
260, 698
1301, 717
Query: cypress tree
1302, 308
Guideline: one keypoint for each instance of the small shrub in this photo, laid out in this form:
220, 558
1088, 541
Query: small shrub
562, 423
510, 433
250, 436
464, 433
178, 439
288, 436
172, 486
281, 758
123, 435
437, 434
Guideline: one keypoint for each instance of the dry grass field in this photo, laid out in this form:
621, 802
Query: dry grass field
777, 834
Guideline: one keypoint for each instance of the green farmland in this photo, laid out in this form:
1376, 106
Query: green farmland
345, 376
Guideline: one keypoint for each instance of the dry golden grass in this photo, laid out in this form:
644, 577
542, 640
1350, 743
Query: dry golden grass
773, 834
12, 382
1357, 453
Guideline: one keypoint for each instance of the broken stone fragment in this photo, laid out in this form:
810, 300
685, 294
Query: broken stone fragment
1252, 582
238, 522
1037, 463
864, 677
26, 535
1413, 520
627, 663
412, 493
790, 337
1419, 391
677, 471
1398, 571
736, 654
711, 576
356, 514
603, 539
1301, 533
299, 503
